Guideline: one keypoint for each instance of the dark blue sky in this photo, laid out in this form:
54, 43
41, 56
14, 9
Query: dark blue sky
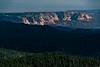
47, 5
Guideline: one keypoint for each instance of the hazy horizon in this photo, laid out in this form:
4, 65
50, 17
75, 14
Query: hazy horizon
47, 5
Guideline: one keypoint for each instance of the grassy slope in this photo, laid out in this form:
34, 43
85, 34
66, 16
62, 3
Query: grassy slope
12, 58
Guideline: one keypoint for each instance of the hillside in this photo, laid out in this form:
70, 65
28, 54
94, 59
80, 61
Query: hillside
43, 39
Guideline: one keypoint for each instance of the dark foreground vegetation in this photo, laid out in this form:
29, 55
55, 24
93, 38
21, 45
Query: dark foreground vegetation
56, 59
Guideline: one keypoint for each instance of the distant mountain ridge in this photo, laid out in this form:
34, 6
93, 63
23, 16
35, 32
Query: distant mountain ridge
17, 18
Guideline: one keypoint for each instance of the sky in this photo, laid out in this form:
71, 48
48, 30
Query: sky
47, 5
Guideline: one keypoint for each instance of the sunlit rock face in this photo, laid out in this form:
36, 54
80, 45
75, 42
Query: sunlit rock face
84, 17
52, 18
25, 21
